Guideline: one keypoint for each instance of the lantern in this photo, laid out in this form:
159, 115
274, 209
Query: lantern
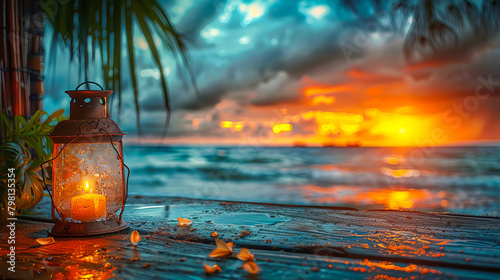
88, 178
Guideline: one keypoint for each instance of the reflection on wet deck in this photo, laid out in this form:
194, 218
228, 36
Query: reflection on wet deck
288, 243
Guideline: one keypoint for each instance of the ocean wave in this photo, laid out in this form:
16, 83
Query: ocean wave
472, 173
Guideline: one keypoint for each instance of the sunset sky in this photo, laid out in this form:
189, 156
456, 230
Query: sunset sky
308, 73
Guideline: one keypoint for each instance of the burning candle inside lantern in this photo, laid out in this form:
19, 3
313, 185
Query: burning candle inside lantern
88, 207
89, 144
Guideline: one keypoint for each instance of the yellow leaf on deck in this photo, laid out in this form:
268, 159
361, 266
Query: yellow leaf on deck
135, 237
184, 222
245, 255
222, 249
46, 241
251, 267
212, 269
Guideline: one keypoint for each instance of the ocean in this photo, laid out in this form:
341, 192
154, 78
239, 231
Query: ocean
442, 179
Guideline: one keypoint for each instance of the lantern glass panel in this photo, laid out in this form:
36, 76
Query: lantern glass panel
88, 181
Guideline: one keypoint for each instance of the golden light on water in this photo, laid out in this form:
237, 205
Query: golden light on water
393, 160
400, 173
397, 199
390, 198
400, 199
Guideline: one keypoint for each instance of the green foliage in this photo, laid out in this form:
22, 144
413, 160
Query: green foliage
17, 138
33, 133
87, 27
29, 186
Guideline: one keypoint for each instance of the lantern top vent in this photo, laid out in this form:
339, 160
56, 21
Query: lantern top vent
89, 118
88, 104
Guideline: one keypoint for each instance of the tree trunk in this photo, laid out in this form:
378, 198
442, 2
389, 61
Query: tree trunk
4, 77
35, 60
21, 55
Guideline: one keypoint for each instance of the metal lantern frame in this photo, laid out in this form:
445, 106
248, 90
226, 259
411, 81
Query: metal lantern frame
88, 124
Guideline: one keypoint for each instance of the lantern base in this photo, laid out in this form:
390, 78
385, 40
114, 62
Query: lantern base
87, 229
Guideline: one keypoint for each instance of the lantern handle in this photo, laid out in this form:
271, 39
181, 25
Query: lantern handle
88, 82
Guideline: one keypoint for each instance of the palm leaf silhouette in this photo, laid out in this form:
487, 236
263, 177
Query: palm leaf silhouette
353, 6
490, 13
472, 15
455, 16
438, 26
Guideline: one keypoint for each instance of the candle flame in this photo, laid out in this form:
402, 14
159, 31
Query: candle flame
87, 185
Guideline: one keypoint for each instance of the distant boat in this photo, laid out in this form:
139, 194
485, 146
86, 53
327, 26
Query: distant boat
328, 144
353, 144
299, 144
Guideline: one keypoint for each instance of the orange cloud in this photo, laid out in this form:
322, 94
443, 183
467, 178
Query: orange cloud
321, 99
317, 90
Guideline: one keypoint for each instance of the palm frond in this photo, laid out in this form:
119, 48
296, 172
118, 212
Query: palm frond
154, 52
455, 16
472, 15
353, 6
490, 13
129, 29
442, 35
428, 35
449, 24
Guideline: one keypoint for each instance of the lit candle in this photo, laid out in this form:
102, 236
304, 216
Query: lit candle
88, 207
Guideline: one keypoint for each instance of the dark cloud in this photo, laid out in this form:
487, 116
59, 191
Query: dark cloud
193, 18
278, 89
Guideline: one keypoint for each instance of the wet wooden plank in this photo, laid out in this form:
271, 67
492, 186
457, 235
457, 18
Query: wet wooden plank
288, 242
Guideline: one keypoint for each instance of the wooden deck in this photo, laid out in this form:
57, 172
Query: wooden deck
288, 243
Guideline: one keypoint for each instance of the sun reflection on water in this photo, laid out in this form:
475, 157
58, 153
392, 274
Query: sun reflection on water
394, 198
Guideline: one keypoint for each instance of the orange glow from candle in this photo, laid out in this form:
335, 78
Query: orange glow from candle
88, 207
